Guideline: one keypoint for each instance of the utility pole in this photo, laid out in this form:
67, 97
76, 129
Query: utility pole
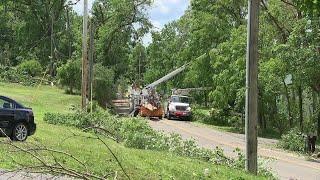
84, 85
252, 87
91, 61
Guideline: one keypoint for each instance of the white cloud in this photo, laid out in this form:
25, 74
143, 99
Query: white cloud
167, 6
162, 6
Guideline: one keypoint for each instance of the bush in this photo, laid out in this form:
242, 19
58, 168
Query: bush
12, 75
31, 67
201, 115
213, 117
70, 75
293, 141
104, 86
219, 117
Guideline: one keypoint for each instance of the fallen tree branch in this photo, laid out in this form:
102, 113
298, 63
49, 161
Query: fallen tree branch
53, 165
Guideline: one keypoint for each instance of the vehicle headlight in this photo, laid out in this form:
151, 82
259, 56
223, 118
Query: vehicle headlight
189, 109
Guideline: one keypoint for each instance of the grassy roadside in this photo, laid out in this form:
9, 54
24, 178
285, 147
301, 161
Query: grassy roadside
140, 164
269, 134
205, 114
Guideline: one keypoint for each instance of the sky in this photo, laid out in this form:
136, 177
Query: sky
162, 12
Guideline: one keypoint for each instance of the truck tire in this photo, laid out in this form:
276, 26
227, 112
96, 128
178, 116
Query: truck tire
136, 113
169, 116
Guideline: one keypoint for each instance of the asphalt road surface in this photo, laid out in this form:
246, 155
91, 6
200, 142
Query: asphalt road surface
283, 164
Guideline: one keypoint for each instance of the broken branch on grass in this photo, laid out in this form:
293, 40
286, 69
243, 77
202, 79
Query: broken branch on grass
44, 165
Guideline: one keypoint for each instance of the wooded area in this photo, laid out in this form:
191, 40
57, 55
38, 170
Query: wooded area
43, 39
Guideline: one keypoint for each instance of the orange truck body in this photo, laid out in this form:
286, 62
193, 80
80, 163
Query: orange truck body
147, 112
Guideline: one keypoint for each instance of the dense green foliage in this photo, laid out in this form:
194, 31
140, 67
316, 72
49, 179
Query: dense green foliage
293, 140
37, 29
31, 67
70, 75
104, 89
13, 75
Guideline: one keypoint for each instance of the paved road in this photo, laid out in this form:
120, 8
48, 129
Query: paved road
285, 165
28, 176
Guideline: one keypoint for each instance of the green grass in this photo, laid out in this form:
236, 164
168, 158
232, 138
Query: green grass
140, 164
221, 128
269, 133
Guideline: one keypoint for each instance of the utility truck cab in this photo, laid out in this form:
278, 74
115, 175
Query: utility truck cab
178, 107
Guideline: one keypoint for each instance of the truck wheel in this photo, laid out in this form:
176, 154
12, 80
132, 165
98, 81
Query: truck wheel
188, 118
136, 113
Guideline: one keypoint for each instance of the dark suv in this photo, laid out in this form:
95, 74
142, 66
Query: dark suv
16, 121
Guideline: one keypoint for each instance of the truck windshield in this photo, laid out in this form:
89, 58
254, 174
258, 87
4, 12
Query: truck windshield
180, 99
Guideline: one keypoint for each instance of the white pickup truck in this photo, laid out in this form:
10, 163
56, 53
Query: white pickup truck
178, 107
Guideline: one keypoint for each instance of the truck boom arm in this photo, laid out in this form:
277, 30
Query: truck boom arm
172, 74
167, 77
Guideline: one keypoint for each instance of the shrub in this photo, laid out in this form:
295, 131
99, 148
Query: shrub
70, 75
293, 141
219, 117
213, 117
12, 75
31, 67
104, 86
201, 115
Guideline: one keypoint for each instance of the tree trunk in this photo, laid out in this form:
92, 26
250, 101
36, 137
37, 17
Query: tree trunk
314, 103
300, 91
261, 112
71, 89
69, 34
206, 98
289, 105
294, 105
318, 127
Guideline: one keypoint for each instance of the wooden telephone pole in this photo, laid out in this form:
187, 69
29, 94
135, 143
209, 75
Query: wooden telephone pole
252, 87
84, 84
